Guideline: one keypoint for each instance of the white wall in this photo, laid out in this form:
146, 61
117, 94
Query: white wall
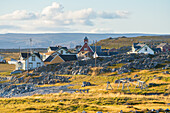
64, 51
149, 51
33, 62
24, 64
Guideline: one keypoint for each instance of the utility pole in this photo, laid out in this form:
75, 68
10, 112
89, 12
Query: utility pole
30, 45
95, 53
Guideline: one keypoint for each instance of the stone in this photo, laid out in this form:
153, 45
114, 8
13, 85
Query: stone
166, 72
86, 84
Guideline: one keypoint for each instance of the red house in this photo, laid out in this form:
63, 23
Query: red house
86, 47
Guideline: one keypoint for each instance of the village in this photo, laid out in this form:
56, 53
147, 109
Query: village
121, 70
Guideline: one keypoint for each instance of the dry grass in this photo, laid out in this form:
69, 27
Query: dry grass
8, 56
5, 69
77, 102
120, 42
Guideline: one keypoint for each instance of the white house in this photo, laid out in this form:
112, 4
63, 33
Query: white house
55, 51
29, 61
56, 48
12, 61
141, 48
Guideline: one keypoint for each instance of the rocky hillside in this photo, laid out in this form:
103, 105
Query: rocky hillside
124, 41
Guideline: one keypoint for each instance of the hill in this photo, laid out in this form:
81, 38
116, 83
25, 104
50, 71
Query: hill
16, 40
127, 41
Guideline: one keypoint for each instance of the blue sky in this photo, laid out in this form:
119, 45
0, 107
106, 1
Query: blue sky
90, 16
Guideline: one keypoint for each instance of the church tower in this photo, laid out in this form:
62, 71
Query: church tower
85, 40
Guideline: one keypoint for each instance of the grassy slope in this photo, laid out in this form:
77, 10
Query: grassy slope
6, 69
119, 42
98, 99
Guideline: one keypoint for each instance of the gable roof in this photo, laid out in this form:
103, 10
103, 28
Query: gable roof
54, 48
27, 55
98, 48
57, 48
136, 46
49, 59
68, 57
161, 45
143, 47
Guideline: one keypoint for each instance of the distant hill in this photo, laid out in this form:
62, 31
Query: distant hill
127, 41
16, 40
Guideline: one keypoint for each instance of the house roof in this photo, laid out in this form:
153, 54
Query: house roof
54, 48
112, 49
161, 45
85, 38
49, 53
49, 59
105, 50
27, 55
106, 53
139, 44
98, 48
57, 48
68, 57
142, 47
136, 46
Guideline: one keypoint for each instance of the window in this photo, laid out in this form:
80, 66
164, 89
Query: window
146, 49
38, 64
85, 49
33, 58
30, 65
61, 51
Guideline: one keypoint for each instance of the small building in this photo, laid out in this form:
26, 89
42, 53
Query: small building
57, 48
29, 61
165, 47
104, 54
56, 51
141, 48
53, 59
12, 61
87, 51
2, 59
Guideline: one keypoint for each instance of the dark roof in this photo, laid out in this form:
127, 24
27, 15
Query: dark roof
68, 57
86, 38
27, 55
105, 50
64, 48
156, 49
54, 48
135, 45
106, 53
49, 59
98, 48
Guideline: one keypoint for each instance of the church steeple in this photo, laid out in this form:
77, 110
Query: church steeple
85, 40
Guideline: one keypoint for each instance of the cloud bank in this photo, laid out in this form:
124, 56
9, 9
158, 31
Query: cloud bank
54, 16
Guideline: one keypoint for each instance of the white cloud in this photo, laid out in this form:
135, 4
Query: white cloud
19, 15
54, 16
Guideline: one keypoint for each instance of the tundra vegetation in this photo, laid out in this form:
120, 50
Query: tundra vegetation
155, 96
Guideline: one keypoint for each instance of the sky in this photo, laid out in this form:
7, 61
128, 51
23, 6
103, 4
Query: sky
85, 16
